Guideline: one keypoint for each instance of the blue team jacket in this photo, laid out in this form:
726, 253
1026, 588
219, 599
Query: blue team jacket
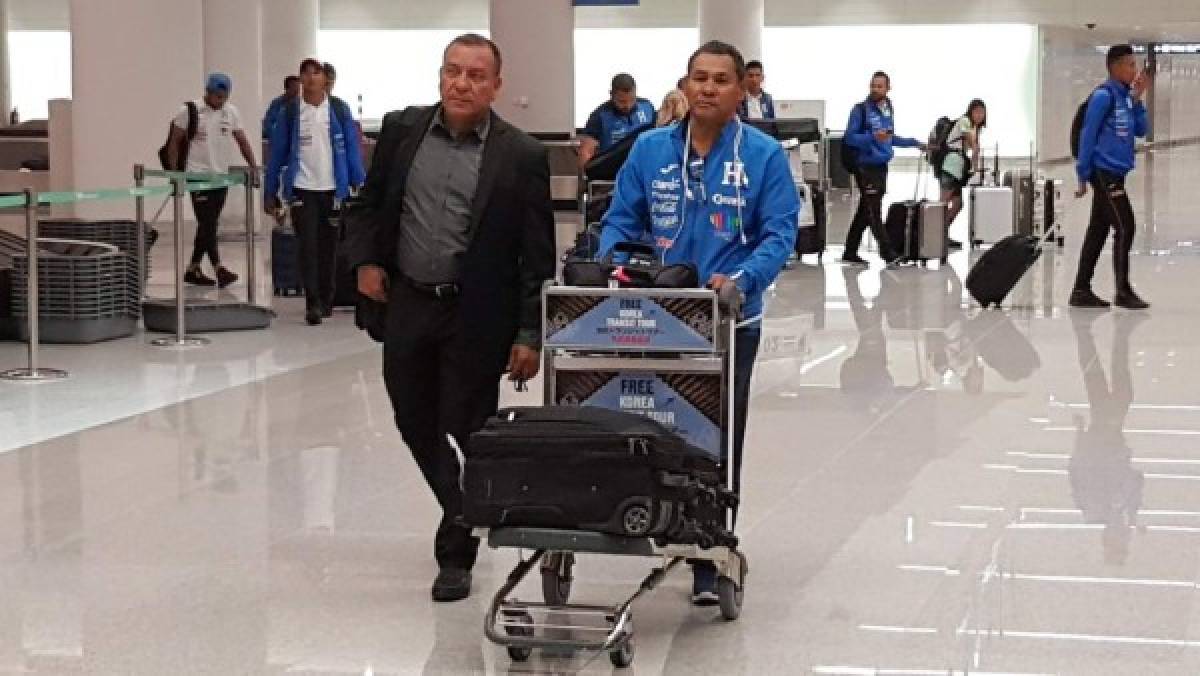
1111, 127
608, 126
707, 229
860, 133
285, 149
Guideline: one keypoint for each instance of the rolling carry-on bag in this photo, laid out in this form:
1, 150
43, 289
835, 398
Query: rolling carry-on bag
990, 212
917, 230
285, 265
1000, 268
811, 237
592, 469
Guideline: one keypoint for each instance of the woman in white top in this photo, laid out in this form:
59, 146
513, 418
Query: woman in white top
956, 168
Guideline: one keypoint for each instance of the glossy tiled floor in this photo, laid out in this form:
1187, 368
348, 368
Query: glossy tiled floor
931, 490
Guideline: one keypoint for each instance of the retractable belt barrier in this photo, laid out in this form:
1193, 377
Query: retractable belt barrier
178, 185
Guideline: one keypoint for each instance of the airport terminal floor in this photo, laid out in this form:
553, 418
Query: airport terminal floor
929, 489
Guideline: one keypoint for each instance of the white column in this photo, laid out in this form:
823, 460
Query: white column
133, 63
289, 30
233, 44
6, 103
537, 40
738, 22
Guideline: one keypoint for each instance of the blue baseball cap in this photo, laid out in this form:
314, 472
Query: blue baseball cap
218, 83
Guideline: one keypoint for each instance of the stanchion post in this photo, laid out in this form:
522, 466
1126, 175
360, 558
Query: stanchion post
180, 339
33, 373
251, 261
139, 180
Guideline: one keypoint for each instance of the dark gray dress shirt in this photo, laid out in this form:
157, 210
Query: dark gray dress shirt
435, 223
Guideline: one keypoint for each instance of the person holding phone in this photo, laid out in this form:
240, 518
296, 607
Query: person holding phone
1115, 119
870, 134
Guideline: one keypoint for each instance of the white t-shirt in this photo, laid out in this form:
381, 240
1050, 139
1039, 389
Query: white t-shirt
754, 109
315, 171
213, 146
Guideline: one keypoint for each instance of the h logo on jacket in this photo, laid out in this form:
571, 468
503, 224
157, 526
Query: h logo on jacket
735, 173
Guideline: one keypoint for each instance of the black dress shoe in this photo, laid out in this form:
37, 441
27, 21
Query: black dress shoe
452, 584
1085, 298
312, 317
1130, 301
327, 312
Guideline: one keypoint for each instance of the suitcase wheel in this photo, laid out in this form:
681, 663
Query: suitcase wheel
730, 596
635, 520
622, 657
513, 619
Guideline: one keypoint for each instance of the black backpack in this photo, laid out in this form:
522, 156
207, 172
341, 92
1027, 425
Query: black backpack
193, 126
939, 139
1077, 123
850, 153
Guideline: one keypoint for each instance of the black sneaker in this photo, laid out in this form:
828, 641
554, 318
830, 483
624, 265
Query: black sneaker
854, 259
225, 277
1130, 301
312, 317
1085, 298
196, 277
954, 245
452, 584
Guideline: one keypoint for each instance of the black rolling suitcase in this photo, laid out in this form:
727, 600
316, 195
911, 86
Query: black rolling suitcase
285, 264
586, 468
812, 240
1000, 268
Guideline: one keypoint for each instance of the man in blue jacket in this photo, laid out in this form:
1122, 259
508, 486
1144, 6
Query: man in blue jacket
1115, 119
315, 163
719, 194
757, 104
291, 92
871, 137
624, 113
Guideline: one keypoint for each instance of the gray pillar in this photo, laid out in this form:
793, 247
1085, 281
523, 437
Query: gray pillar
537, 40
289, 35
5, 74
738, 22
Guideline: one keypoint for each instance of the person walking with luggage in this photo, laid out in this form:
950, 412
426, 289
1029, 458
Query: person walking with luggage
216, 122
454, 231
1115, 119
315, 161
757, 104
716, 193
962, 155
868, 147
624, 113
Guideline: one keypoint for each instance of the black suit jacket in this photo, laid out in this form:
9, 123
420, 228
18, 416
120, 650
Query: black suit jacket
511, 251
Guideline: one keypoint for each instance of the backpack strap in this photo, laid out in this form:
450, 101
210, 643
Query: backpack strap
193, 119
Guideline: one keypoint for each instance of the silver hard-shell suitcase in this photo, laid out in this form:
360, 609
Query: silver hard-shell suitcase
991, 214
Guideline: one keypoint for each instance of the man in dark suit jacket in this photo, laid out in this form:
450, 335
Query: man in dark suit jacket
456, 235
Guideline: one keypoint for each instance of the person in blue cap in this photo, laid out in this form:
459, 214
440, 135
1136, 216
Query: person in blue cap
719, 194
217, 124
624, 113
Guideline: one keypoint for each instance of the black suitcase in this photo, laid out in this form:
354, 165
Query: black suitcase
593, 469
285, 263
999, 269
812, 240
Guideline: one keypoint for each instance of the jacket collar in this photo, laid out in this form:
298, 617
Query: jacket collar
679, 133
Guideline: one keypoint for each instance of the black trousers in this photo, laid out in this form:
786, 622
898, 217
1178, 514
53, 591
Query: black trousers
207, 205
872, 184
312, 214
438, 387
1110, 210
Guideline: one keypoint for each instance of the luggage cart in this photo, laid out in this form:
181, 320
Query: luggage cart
597, 343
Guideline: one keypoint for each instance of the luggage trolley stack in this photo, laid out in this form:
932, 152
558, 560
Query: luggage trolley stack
676, 349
